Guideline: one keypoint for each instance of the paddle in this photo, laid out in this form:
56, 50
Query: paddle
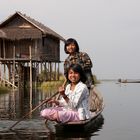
45, 101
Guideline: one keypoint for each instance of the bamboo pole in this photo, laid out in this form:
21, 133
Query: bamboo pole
30, 51
4, 63
13, 69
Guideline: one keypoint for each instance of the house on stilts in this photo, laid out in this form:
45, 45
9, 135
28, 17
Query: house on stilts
27, 47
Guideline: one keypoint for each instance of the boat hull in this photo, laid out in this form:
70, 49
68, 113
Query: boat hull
82, 127
87, 127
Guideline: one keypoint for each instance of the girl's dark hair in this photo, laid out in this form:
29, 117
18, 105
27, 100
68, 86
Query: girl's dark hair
71, 41
77, 68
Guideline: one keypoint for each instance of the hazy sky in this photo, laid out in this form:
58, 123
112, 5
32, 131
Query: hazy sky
108, 30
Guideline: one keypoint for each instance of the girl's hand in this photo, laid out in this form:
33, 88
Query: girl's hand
53, 101
61, 90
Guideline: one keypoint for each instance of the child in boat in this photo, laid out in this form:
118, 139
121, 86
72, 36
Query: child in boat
75, 56
73, 104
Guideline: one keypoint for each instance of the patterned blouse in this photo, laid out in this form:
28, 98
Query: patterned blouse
84, 60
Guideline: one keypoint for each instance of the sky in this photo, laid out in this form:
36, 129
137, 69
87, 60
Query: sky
108, 30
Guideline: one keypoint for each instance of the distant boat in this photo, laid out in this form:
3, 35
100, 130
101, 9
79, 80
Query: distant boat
128, 81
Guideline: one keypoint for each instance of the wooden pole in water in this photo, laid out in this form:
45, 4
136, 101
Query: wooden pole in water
4, 62
13, 68
45, 101
30, 51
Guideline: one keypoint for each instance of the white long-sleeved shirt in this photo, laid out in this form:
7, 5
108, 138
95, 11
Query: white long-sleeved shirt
78, 99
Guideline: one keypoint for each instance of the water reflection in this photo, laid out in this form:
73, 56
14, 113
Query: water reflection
36, 130
95, 126
7, 105
15, 104
23, 135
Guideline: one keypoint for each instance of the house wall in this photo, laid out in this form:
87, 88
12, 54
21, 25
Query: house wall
45, 49
50, 49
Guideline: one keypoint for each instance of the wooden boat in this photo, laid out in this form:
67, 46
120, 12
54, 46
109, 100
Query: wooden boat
128, 81
85, 126
81, 126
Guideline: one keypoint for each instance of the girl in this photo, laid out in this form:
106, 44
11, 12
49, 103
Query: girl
76, 57
73, 104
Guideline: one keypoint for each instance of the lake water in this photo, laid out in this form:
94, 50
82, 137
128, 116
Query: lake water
121, 115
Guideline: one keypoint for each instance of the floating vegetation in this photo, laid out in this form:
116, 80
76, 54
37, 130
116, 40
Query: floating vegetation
3, 89
52, 85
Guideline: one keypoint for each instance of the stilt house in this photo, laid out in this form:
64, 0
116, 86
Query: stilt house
27, 47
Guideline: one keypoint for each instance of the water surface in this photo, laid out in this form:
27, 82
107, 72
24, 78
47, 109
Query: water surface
121, 115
